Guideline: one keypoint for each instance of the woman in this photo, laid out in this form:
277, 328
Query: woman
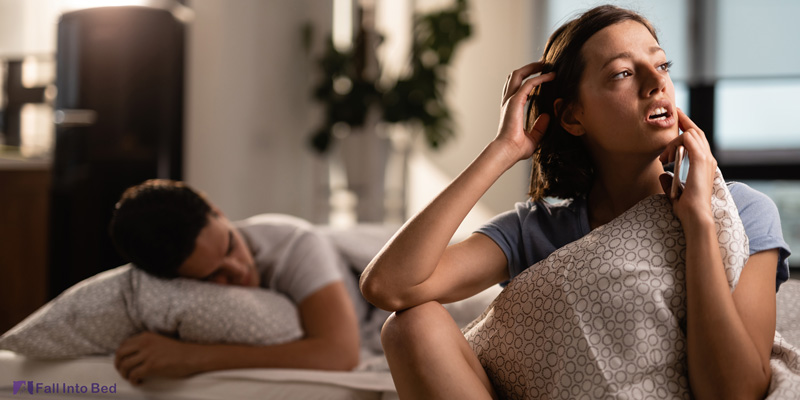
606, 121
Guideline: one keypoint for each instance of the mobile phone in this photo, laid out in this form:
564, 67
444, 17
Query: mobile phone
680, 172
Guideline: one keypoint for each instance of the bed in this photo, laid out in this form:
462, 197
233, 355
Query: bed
370, 380
91, 318
96, 373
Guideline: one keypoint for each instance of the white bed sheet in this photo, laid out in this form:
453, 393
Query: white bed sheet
243, 384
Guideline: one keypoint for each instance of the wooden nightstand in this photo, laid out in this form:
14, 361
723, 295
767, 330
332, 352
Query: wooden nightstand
24, 209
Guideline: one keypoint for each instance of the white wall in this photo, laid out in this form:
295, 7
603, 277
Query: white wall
503, 37
248, 98
249, 109
28, 27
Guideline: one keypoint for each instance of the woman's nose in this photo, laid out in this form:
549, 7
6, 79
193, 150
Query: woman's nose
654, 82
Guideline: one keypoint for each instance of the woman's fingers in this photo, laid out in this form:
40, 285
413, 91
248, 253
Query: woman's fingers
539, 128
525, 91
514, 80
685, 123
515, 104
512, 131
505, 90
668, 155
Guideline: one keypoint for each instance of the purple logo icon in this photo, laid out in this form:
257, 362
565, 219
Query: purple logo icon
18, 386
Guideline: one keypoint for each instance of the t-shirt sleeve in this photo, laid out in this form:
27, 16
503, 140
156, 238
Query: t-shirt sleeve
506, 231
762, 224
310, 265
533, 230
292, 257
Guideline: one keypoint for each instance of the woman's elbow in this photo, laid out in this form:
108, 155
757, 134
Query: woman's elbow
379, 295
377, 292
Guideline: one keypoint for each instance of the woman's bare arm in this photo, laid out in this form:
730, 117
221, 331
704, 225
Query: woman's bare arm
729, 335
417, 265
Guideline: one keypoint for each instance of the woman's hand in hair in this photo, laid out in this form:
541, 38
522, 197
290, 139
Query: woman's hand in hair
518, 144
694, 203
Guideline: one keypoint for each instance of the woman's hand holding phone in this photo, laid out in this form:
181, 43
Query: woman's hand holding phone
693, 202
681, 164
520, 143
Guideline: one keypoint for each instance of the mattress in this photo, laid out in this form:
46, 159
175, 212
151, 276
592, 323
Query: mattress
95, 377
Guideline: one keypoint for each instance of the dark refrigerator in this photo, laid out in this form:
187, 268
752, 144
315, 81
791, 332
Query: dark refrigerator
119, 121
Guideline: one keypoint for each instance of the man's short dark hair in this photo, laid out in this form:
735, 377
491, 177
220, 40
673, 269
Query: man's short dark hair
156, 224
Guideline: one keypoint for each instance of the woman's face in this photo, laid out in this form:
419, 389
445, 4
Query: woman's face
626, 98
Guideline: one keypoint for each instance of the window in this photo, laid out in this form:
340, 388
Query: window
756, 79
669, 19
737, 72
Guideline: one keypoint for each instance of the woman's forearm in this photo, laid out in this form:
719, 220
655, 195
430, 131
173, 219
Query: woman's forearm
723, 359
415, 251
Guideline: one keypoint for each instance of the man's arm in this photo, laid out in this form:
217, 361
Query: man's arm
331, 342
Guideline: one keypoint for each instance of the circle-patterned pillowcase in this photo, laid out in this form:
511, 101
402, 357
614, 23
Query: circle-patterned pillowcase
603, 316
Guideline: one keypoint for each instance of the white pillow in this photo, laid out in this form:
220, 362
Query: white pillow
88, 318
204, 312
97, 314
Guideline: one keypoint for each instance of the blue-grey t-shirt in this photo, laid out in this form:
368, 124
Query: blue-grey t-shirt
533, 230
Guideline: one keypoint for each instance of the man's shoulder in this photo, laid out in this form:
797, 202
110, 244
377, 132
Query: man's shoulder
266, 233
276, 220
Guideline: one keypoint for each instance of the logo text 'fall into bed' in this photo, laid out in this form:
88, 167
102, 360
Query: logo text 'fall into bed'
29, 387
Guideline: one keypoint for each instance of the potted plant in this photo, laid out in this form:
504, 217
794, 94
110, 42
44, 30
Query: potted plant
354, 98
349, 89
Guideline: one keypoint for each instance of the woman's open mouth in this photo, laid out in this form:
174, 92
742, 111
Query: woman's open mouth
661, 115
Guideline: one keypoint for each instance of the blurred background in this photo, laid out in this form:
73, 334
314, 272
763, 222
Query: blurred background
336, 111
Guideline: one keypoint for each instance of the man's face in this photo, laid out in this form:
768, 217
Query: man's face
221, 255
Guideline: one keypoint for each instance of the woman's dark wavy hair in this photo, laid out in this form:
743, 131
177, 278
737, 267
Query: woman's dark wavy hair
156, 224
562, 165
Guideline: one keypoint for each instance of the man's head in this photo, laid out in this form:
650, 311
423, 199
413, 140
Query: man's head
167, 229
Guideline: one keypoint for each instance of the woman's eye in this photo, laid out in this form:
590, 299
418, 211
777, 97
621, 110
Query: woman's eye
665, 66
623, 74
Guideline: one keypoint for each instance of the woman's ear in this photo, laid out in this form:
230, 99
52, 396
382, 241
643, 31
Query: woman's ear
566, 117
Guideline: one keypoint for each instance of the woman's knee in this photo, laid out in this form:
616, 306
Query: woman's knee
415, 325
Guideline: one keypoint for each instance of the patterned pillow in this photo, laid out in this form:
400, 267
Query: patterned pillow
204, 312
788, 311
785, 360
96, 315
88, 318
603, 316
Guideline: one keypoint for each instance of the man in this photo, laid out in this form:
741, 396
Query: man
167, 229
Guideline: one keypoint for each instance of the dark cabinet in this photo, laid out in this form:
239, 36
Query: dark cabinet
119, 116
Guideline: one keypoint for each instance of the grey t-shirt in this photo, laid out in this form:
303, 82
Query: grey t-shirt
291, 257
533, 230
